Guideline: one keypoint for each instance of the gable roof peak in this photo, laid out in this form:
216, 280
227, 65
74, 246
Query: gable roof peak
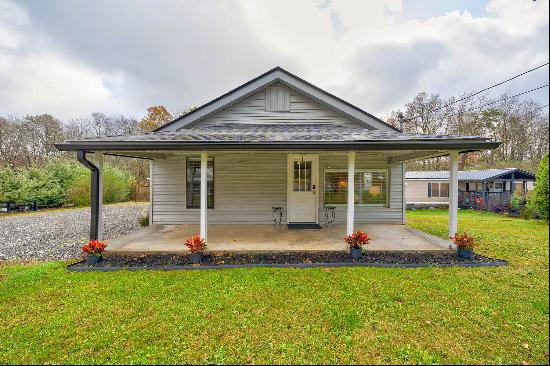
317, 94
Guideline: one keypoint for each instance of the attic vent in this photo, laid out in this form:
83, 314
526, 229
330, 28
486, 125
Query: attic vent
277, 99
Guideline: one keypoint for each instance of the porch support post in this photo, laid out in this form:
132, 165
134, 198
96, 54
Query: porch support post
99, 164
204, 194
453, 194
151, 192
81, 156
351, 192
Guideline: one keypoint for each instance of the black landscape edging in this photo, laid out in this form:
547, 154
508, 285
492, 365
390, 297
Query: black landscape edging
75, 268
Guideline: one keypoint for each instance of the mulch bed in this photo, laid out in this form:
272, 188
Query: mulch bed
301, 259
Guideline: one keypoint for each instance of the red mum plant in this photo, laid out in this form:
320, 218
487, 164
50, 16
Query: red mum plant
464, 241
94, 247
196, 244
357, 239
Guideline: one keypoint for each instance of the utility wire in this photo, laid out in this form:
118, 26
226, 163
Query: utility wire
544, 106
504, 99
481, 91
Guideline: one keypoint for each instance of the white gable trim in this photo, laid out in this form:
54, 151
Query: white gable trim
278, 75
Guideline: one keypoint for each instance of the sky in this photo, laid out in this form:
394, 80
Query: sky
74, 57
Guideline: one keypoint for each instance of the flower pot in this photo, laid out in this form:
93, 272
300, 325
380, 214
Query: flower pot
196, 258
93, 259
356, 253
465, 253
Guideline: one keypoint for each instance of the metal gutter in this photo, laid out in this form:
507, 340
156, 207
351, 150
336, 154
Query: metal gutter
464, 145
94, 217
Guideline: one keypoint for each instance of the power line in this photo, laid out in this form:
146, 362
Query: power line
514, 96
544, 106
504, 99
481, 91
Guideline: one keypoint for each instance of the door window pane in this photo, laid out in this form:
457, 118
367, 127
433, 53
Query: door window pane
302, 176
193, 183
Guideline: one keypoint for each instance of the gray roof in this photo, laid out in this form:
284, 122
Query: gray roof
272, 135
468, 175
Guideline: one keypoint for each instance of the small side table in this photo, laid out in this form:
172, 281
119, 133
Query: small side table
277, 216
330, 216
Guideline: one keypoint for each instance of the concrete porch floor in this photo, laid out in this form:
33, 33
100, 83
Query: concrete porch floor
244, 237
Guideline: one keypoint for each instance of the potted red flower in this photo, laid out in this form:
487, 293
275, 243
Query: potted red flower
355, 242
465, 245
94, 249
196, 246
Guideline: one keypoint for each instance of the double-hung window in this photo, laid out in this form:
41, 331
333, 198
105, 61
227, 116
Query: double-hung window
371, 187
438, 190
193, 183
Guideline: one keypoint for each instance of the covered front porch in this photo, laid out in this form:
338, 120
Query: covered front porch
257, 237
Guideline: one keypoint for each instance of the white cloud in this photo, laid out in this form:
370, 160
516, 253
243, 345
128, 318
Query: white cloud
71, 58
35, 78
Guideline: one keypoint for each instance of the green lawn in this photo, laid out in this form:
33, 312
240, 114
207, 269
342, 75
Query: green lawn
345, 315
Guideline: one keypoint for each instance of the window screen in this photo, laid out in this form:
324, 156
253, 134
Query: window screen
193, 183
370, 187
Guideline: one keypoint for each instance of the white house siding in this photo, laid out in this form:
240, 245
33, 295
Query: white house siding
247, 186
417, 191
252, 110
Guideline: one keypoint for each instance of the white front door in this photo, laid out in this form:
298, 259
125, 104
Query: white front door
303, 181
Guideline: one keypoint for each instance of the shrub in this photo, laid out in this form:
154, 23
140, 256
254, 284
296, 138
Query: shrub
144, 220
116, 187
9, 185
538, 200
357, 239
94, 247
517, 201
464, 241
527, 213
195, 244
61, 182
45, 185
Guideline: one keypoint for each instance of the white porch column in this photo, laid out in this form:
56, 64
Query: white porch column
351, 192
204, 194
99, 164
453, 194
151, 162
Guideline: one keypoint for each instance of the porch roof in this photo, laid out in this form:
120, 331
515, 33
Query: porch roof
279, 137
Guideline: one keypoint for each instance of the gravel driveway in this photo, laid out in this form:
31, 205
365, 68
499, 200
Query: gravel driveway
61, 234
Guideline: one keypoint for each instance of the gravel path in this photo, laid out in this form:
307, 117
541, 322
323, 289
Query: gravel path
61, 234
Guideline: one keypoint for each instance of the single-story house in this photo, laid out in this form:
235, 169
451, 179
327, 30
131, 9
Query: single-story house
275, 148
431, 188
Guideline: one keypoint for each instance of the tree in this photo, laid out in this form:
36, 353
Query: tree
41, 132
538, 200
156, 117
520, 125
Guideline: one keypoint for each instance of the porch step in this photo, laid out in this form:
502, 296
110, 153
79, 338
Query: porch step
304, 226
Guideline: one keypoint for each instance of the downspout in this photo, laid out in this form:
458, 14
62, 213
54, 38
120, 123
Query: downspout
94, 220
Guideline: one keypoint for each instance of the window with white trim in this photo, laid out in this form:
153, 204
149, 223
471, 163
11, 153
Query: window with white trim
371, 187
193, 183
438, 190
